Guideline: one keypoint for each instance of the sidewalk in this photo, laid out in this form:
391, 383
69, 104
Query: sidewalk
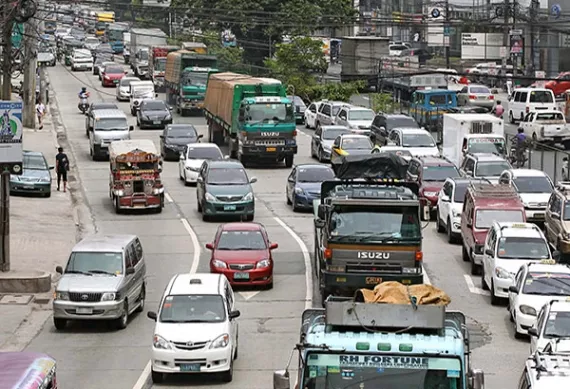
42, 233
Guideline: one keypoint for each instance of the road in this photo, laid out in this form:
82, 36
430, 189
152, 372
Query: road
90, 355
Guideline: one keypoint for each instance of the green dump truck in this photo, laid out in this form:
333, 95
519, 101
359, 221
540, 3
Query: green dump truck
185, 78
253, 115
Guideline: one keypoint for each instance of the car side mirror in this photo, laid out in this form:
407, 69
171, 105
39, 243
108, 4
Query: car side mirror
513, 289
91, 128
156, 95
131, 128
199, 179
382, 128
291, 179
253, 180
209, 246
489, 252
273, 246
468, 174
59, 270
319, 223
51, 167
161, 136
200, 136
234, 315
151, 315
130, 270
533, 332
477, 379
281, 379
226, 157
182, 156
556, 255
555, 215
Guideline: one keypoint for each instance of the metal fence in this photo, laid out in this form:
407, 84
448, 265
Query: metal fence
547, 159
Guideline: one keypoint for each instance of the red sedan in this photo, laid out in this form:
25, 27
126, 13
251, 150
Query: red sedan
242, 252
560, 85
111, 75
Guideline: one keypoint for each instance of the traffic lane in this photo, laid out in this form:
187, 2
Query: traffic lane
165, 256
492, 336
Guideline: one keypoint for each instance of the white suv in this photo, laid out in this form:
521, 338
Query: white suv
196, 330
357, 119
449, 207
509, 246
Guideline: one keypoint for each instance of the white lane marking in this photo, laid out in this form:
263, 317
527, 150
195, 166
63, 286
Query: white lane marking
308, 266
168, 198
427, 281
474, 289
143, 379
302, 133
248, 295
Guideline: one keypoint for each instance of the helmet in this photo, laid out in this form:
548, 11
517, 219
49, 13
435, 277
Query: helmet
83, 89
498, 102
520, 130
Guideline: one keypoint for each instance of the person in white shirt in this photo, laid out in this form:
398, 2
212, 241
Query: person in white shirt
40, 112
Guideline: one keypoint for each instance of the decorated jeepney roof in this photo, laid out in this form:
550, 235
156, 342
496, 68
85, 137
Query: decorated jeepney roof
132, 149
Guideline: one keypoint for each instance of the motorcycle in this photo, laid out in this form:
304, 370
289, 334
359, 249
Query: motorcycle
518, 157
83, 105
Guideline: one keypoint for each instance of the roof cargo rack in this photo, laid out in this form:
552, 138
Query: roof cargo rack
483, 189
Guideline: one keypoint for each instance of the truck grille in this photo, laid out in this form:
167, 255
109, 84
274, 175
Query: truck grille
371, 267
268, 142
189, 345
138, 186
85, 297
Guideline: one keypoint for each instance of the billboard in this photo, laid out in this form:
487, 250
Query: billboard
481, 46
11, 131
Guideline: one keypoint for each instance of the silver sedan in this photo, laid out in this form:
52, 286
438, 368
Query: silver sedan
478, 95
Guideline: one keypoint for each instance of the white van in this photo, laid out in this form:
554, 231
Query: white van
525, 100
140, 90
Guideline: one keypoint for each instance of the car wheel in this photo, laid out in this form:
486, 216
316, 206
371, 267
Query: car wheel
294, 206
117, 207
287, 198
48, 194
123, 321
475, 269
156, 377
59, 324
511, 118
494, 299
438, 224
450, 237
320, 155
236, 351
464, 254
484, 285
228, 376
142, 298
306, 123
205, 217
199, 205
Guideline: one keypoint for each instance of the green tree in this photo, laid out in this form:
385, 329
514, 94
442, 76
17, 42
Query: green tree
336, 91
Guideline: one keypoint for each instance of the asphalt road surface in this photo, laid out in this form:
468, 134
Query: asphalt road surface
90, 355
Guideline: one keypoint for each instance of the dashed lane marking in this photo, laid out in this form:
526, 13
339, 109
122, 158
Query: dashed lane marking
249, 295
168, 198
474, 289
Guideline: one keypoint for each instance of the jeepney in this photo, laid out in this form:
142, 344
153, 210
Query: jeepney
27, 370
134, 180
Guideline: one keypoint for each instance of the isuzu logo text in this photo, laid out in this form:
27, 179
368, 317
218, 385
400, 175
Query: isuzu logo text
269, 134
373, 255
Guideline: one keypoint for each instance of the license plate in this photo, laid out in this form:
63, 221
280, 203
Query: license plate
539, 215
271, 149
241, 276
27, 187
373, 280
190, 367
229, 207
156, 122
84, 311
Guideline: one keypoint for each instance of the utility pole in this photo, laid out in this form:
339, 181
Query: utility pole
506, 38
5, 222
7, 51
534, 6
446, 34
29, 88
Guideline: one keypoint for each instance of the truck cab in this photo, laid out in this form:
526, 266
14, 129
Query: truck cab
140, 65
194, 80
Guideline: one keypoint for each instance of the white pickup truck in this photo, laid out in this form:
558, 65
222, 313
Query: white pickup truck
547, 127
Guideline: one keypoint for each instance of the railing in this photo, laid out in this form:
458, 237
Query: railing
548, 159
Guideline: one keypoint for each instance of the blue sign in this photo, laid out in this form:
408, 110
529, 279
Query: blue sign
11, 131
555, 11
435, 13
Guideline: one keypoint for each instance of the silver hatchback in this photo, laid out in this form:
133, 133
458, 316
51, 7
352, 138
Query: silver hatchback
104, 279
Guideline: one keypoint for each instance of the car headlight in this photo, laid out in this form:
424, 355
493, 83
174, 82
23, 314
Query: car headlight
219, 264
248, 197
45, 179
327, 149
502, 273
456, 213
168, 117
221, 341
527, 310
263, 264
299, 191
192, 168
430, 194
210, 197
160, 343
61, 296
109, 296
568, 236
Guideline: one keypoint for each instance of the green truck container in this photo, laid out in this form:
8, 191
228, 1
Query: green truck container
185, 78
253, 115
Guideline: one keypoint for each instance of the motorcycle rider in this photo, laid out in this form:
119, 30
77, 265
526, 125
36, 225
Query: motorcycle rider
83, 95
520, 139
499, 110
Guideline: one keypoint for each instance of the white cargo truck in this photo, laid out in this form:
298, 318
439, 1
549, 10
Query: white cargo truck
465, 133
141, 40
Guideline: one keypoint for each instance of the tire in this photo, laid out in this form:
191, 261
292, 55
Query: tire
289, 202
236, 352
320, 155
511, 118
142, 298
294, 206
118, 210
122, 322
157, 378
228, 376
59, 324
438, 224
484, 285
289, 161
199, 205
205, 217
306, 124
243, 160
494, 299
450, 237
475, 269
48, 194
249, 218
464, 255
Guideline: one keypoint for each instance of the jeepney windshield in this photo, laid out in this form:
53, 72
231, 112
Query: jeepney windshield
136, 166
353, 371
259, 113
486, 145
366, 224
160, 64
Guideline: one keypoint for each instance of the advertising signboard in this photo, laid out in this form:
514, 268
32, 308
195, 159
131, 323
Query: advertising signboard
11, 136
481, 46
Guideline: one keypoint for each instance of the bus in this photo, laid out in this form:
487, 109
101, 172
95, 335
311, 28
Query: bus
103, 19
114, 35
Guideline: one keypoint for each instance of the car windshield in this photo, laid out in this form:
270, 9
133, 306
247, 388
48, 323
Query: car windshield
193, 309
143, 55
258, 113
439, 173
356, 144
185, 132
459, 195
332, 134
550, 116
91, 41
153, 106
522, 248
417, 140
533, 185
297, 101
361, 114
225, 176
241, 240
127, 81
479, 90
82, 54
403, 122
34, 162
374, 224
491, 169
486, 145
557, 325
547, 284
114, 70
97, 107
111, 124
353, 371
541, 97
142, 92
484, 218
315, 174
210, 153
95, 262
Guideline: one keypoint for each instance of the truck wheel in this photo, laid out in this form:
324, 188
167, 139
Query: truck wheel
218, 138
289, 160
243, 160
465, 254
183, 112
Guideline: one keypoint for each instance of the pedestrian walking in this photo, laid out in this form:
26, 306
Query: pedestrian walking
61, 168
40, 113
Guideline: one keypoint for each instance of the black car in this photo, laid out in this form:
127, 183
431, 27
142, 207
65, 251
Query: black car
384, 123
94, 107
154, 114
98, 60
175, 138
300, 108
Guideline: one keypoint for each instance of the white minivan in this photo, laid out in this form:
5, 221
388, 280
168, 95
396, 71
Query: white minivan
525, 100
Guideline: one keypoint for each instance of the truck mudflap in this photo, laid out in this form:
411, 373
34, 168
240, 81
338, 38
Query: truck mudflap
268, 152
334, 280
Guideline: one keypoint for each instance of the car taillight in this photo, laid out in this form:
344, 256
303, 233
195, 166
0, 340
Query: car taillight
419, 256
491, 97
328, 253
472, 97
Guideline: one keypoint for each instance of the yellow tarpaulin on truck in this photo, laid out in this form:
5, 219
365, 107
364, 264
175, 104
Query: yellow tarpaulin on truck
393, 292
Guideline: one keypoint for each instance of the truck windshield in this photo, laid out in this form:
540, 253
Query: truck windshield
486, 145
370, 224
485, 217
160, 64
196, 78
143, 55
346, 371
258, 113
